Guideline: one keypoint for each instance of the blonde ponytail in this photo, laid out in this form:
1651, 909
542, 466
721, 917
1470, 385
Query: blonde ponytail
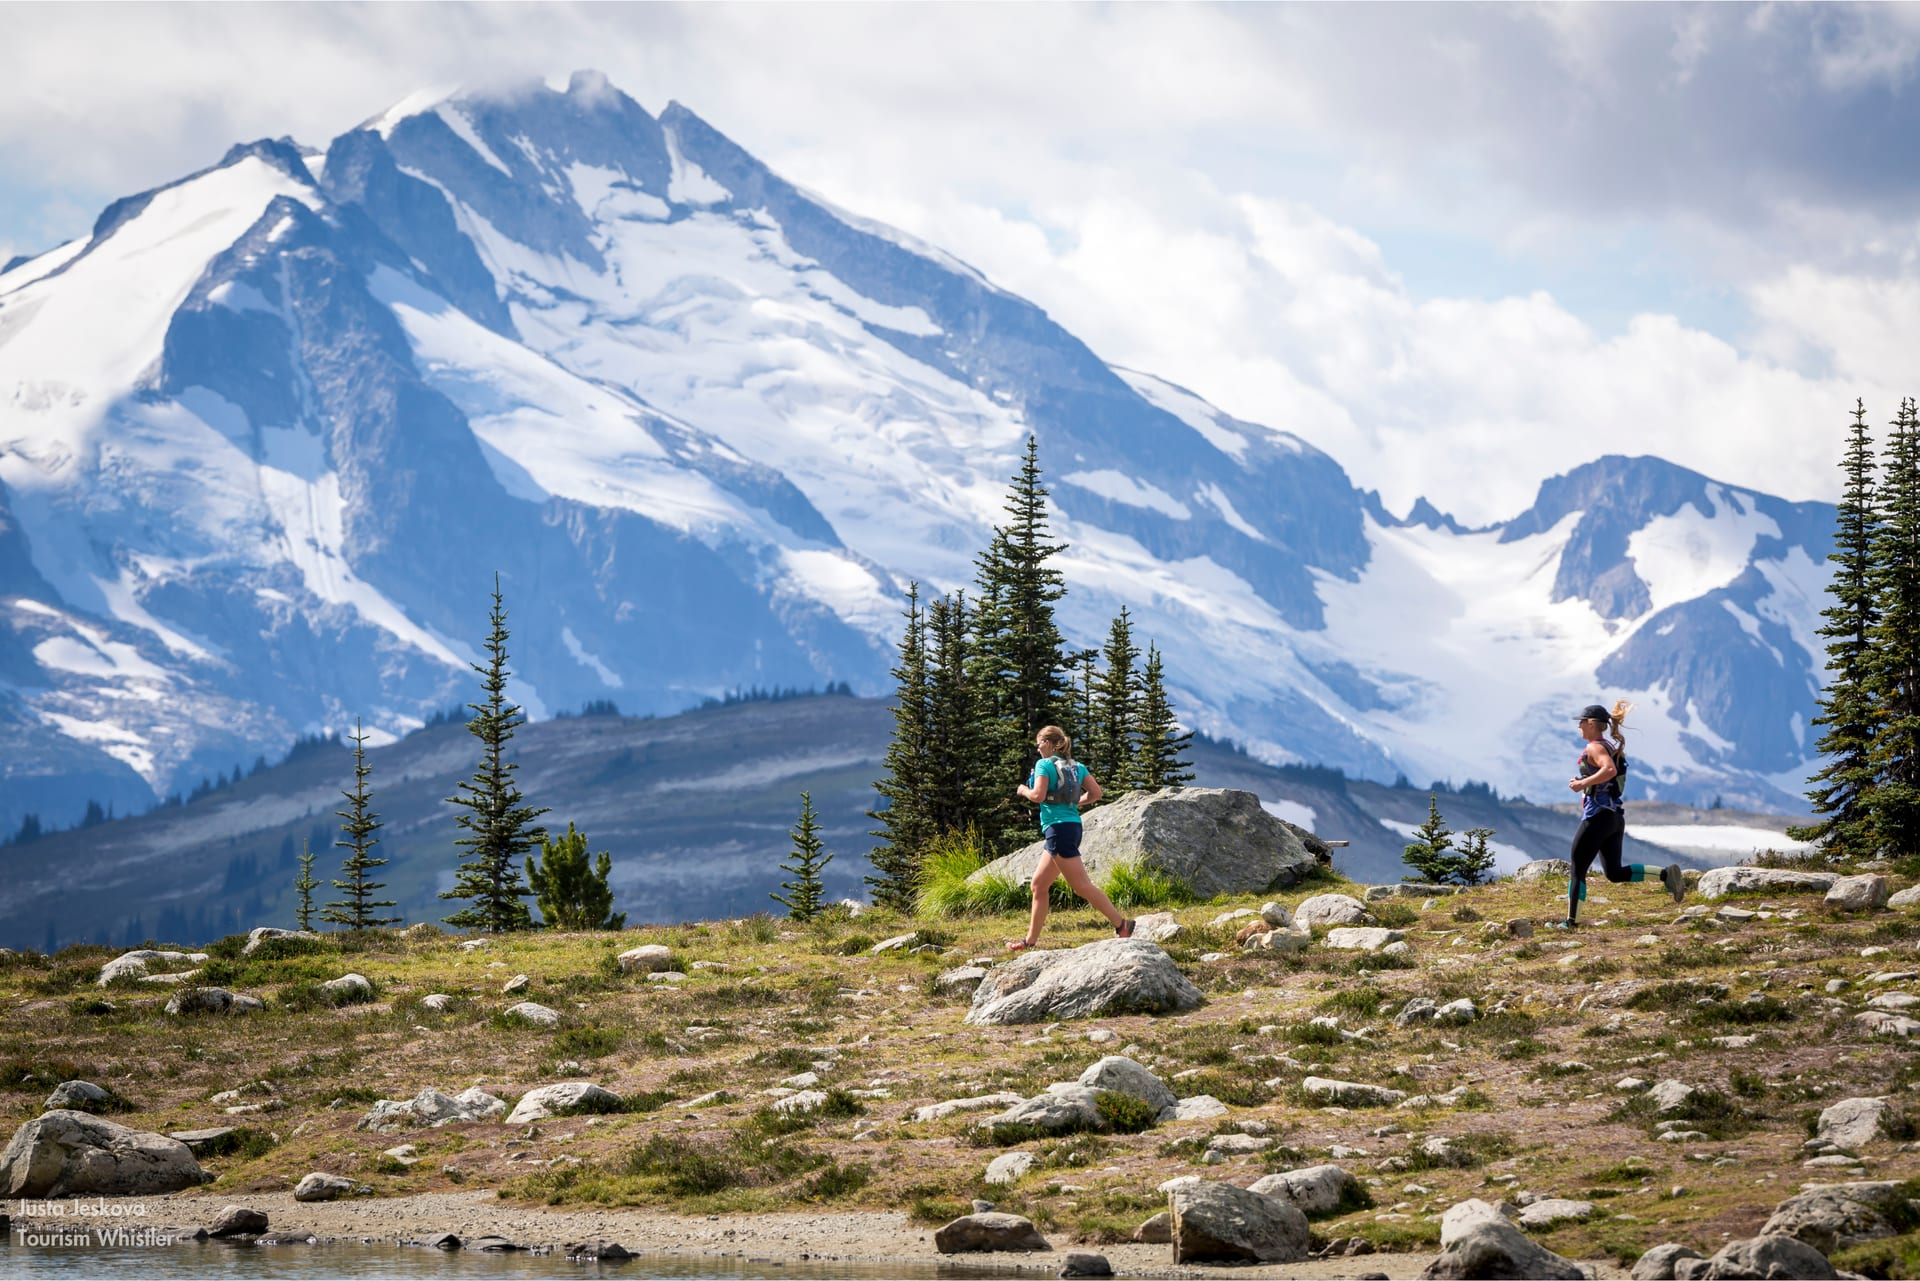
1617, 724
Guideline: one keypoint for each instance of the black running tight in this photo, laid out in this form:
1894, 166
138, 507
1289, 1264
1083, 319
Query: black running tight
1599, 837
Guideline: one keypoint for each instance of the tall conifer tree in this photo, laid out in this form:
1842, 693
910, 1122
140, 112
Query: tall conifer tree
1084, 729
960, 766
1842, 790
1896, 642
500, 825
906, 824
1116, 708
357, 908
1163, 744
1019, 652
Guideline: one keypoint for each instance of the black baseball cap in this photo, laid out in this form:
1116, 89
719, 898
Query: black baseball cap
1594, 712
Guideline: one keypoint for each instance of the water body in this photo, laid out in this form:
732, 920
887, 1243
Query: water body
23, 1259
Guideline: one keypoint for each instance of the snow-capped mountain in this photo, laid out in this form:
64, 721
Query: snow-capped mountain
267, 435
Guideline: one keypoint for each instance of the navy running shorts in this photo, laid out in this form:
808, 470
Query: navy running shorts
1062, 840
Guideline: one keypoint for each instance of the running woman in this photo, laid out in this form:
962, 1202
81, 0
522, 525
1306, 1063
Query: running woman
1059, 785
1603, 814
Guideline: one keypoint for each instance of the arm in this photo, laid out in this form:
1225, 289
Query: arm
1037, 790
1090, 790
1604, 768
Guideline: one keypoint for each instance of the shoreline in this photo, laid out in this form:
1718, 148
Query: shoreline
864, 1237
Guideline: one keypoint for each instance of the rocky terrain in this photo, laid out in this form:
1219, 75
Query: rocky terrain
1311, 1078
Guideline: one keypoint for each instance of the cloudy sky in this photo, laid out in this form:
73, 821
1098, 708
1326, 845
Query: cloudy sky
1460, 248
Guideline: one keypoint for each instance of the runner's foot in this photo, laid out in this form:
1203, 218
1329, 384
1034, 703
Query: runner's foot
1125, 928
1674, 880
1019, 945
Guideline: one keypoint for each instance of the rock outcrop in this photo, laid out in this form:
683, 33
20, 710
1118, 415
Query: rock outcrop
66, 1153
557, 1100
1110, 977
1477, 1241
1219, 1223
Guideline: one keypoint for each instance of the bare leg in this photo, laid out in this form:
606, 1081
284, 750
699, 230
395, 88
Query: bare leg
1043, 878
1076, 873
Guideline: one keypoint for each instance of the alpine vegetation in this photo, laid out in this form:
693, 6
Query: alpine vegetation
500, 825
571, 889
357, 907
1438, 859
805, 894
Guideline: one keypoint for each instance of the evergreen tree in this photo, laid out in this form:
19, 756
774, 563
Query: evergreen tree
500, 826
1473, 865
1895, 753
805, 895
304, 887
1020, 655
960, 767
1084, 729
906, 824
571, 889
1842, 789
1431, 854
1161, 758
357, 907
1116, 708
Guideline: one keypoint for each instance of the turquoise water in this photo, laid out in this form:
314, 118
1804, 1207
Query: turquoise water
217, 1259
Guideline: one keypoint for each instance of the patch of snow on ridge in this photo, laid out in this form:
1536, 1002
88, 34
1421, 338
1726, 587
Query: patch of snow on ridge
580, 655
1120, 488
688, 183
1215, 497
44, 265
1688, 554
1191, 410
606, 193
845, 586
456, 120
1799, 593
413, 104
1292, 812
125, 746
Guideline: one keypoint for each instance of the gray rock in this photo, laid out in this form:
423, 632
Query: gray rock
1886, 1023
1833, 1216
438, 1002
1477, 1241
1119, 1073
238, 1220
201, 1142
320, 1186
554, 1100
939, 1111
432, 1108
1213, 840
201, 1000
1198, 1107
348, 987
1547, 1211
1086, 1265
65, 1153
1278, 915
646, 958
1316, 1191
1331, 909
804, 1101
1353, 1094
83, 1095
1112, 976
1278, 941
1155, 1231
532, 1012
445, 1241
1231, 1145
1861, 893
1350, 939
132, 965
1658, 1263
1854, 1123
517, 984
1909, 897
1719, 882
1541, 869
1158, 927
1417, 1010
963, 979
895, 943
1457, 1012
1065, 1106
1669, 1095
258, 936
1774, 1258
1009, 1167
993, 1231
1219, 1223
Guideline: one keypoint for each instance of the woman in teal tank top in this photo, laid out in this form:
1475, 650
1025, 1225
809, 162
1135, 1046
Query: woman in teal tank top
1060, 831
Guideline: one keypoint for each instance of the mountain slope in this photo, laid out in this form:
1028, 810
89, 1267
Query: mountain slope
269, 433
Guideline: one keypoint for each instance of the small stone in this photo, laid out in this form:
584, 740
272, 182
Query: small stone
518, 983
320, 1186
238, 1220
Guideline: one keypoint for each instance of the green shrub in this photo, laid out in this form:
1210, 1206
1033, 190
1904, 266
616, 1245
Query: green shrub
1135, 885
854, 944
837, 1181
590, 1042
1361, 1001
1766, 1009
1125, 1113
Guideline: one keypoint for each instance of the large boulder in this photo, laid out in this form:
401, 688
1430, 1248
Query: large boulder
238, 1220
320, 1186
1352, 1094
82, 1096
558, 1100
1066, 1105
1761, 1258
1861, 893
256, 937
1719, 882
1477, 1241
1121, 1074
647, 958
1110, 977
136, 964
1316, 1191
210, 1000
1213, 840
1658, 1263
1854, 1123
66, 1153
1362, 938
1219, 1223
1331, 909
989, 1231
533, 1013
432, 1108
1832, 1216
1551, 1210
1541, 869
